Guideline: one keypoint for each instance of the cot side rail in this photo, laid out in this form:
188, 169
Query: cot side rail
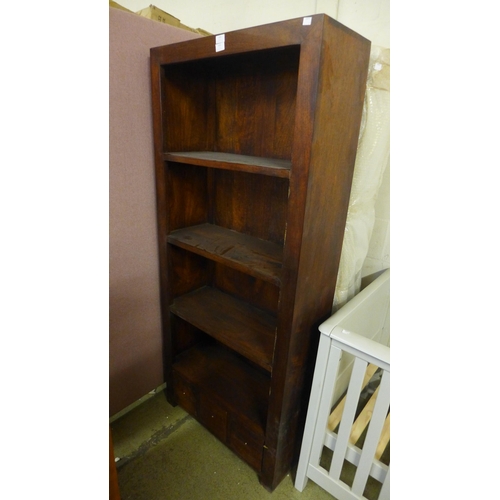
361, 347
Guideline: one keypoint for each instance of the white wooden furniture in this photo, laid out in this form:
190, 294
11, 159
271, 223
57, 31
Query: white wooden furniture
353, 425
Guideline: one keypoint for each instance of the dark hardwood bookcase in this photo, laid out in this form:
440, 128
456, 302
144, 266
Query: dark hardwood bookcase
255, 142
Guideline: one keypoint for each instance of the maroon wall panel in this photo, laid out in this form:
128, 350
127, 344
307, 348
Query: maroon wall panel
135, 345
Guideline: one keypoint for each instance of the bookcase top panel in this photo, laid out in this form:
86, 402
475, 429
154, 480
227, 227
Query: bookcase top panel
268, 36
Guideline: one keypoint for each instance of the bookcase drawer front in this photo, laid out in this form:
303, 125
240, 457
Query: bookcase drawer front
213, 417
246, 444
185, 394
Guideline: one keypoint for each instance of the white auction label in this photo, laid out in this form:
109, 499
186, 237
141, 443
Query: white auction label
307, 21
220, 42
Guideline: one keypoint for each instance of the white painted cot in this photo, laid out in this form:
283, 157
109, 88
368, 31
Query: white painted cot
346, 436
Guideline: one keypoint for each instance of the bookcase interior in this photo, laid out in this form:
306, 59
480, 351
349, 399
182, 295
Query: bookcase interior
242, 104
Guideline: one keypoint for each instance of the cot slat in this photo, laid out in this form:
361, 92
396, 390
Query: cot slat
351, 403
384, 437
336, 414
372, 436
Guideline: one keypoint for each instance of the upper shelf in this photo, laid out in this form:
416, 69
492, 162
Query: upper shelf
244, 163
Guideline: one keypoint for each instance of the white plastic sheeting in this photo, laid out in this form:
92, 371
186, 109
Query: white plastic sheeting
371, 162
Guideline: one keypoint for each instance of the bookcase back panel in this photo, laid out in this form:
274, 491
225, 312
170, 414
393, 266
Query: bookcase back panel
190, 272
242, 104
257, 292
255, 103
242, 203
234, 200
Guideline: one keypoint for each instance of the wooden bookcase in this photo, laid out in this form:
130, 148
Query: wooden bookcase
255, 134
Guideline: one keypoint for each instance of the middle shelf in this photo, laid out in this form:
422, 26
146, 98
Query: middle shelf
253, 256
240, 326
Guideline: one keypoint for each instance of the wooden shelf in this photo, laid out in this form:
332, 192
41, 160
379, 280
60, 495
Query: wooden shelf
243, 163
236, 324
253, 256
224, 376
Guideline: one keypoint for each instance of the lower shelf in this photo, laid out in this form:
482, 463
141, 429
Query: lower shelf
227, 396
242, 327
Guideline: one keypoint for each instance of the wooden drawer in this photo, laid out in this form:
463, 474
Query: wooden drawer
246, 444
185, 395
213, 417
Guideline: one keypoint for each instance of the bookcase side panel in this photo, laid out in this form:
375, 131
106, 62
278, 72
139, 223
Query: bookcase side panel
342, 86
161, 210
187, 191
341, 93
334, 133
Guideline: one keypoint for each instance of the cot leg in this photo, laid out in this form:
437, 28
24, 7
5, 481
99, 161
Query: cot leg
312, 412
384, 492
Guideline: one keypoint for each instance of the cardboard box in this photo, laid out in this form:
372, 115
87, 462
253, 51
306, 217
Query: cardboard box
157, 14
202, 32
184, 27
118, 6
